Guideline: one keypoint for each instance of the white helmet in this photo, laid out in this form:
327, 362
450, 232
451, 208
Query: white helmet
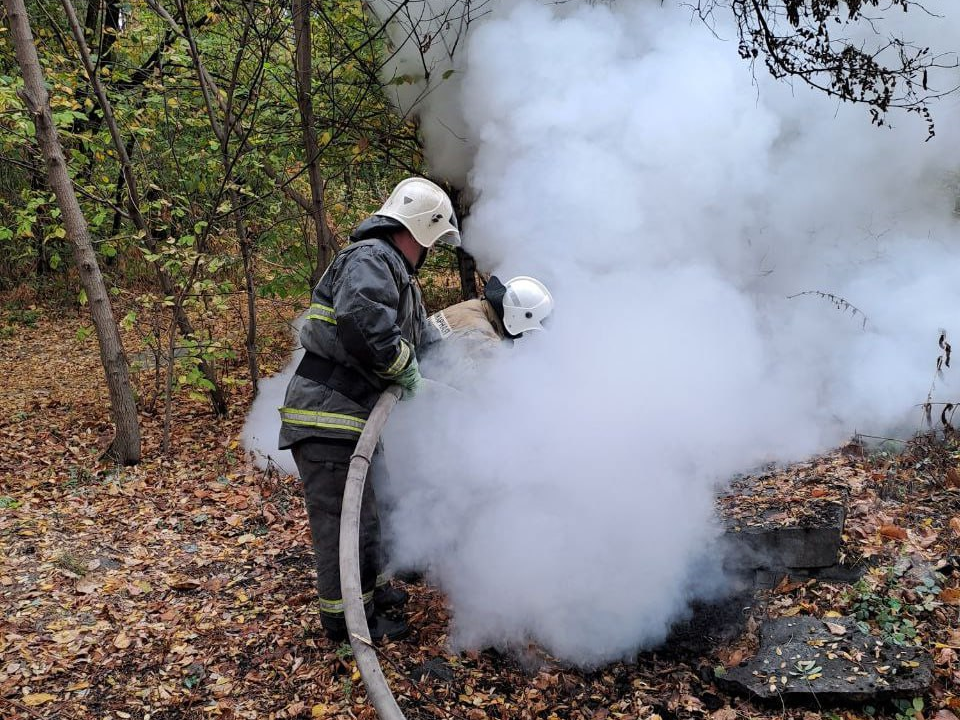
424, 209
526, 304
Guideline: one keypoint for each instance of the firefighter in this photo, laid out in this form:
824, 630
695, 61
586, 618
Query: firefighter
362, 333
504, 312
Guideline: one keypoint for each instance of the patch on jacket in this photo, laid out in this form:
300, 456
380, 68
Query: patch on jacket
439, 321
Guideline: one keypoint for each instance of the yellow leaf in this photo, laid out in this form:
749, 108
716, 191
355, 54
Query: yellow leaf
832, 613
83, 685
122, 641
34, 699
318, 711
246, 538
790, 612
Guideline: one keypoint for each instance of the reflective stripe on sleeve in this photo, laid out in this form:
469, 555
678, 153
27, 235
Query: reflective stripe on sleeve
397, 366
318, 311
315, 418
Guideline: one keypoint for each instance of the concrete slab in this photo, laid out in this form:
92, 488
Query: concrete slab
806, 660
774, 539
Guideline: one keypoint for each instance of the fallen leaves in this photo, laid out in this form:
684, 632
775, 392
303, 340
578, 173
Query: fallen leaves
86, 587
950, 596
952, 477
892, 532
184, 586
183, 583
836, 628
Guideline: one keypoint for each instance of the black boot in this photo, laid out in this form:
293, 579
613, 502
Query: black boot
335, 627
388, 596
380, 627
383, 627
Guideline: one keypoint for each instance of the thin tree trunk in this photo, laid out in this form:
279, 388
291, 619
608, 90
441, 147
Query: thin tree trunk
217, 398
466, 265
168, 388
125, 447
303, 43
246, 252
91, 20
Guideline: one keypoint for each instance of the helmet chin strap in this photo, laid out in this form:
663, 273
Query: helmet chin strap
423, 258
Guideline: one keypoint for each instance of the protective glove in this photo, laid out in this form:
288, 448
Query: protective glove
410, 378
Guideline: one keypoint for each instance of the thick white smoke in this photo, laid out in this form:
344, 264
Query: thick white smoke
677, 207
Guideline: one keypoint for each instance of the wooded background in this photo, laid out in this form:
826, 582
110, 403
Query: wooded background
170, 163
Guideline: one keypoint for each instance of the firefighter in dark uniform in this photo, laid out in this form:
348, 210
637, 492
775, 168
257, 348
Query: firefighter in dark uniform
362, 333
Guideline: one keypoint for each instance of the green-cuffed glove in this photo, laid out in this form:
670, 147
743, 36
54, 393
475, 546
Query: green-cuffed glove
410, 378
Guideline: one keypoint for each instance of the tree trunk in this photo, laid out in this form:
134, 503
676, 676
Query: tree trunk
466, 265
125, 447
468, 274
303, 42
246, 252
91, 20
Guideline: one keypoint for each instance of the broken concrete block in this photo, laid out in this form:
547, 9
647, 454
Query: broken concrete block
775, 540
830, 662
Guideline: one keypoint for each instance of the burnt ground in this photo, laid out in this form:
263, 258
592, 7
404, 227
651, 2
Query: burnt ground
181, 588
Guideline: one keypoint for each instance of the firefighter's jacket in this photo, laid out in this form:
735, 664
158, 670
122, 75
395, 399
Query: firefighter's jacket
471, 334
366, 320
471, 320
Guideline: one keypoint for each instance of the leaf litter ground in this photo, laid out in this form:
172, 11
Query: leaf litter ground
182, 588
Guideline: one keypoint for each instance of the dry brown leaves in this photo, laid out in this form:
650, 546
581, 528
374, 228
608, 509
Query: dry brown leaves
182, 588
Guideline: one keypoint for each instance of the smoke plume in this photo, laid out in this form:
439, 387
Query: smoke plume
691, 218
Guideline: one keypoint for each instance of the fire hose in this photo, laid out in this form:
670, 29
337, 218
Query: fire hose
378, 692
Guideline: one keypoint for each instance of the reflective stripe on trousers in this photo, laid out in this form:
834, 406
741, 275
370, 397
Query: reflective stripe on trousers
323, 470
335, 607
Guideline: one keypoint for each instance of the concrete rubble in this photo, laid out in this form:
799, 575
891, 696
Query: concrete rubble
829, 661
